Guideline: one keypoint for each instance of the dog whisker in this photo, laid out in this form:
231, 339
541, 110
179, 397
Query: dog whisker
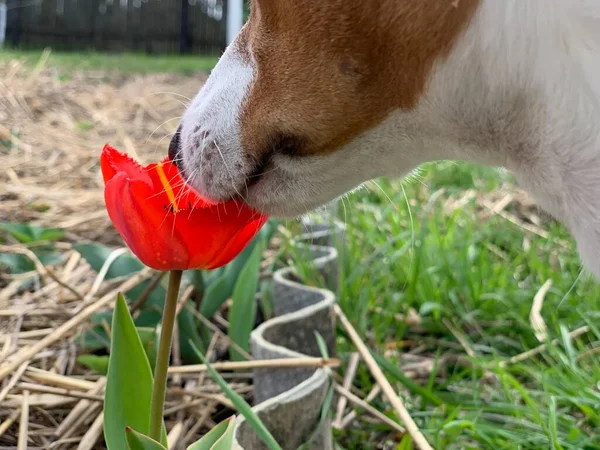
160, 126
176, 94
229, 172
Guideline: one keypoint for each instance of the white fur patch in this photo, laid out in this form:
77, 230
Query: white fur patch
212, 156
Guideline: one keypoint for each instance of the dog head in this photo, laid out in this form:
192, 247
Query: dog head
290, 118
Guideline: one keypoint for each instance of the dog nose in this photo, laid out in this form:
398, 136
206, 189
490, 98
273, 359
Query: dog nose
175, 146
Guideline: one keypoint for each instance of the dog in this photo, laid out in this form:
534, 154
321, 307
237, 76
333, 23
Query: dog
314, 98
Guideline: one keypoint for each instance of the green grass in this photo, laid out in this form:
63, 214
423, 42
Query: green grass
472, 278
123, 62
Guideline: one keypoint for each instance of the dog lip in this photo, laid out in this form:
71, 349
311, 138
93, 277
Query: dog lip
265, 162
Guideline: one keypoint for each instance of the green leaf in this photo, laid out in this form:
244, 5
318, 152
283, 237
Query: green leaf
220, 285
26, 233
266, 298
98, 364
49, 258
149, 338
235, 267
220, 288
129, 381
147, 335
97, 254
242, 406
215, 295
405, 443
243, 309
212, 275
196, 278
219, 438
458, 425
269, 229
322, 345
139, 441
51, 234
150, 315
18, 231
17, 263
325, 409
96, 338
188, 332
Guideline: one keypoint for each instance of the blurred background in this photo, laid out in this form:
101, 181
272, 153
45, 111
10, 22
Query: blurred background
439, 275
151, 26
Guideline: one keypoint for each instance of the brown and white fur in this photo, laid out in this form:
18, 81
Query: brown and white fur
315, 97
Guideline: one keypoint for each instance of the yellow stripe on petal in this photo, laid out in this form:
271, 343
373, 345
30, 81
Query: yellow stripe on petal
168, 189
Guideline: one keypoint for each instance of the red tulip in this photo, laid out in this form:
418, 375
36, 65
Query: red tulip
168, 225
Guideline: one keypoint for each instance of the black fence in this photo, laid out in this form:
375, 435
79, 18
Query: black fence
153, 26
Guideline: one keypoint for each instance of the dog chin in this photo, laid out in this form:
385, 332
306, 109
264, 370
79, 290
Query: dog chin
283, 205
281, 210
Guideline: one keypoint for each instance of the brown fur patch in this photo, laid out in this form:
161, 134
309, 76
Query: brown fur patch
329, 70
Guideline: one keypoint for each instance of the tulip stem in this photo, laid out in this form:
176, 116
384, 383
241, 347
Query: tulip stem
164, 353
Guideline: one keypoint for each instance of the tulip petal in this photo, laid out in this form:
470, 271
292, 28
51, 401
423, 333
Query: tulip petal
209, 231
113, 161
143, 223
236, 244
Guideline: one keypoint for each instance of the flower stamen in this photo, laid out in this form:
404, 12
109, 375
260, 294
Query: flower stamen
167, 186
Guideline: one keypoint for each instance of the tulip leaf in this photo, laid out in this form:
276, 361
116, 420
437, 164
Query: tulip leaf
242, 406
149, 338
149, 317
215, 295
196, 278
188, 328
220, 283
139, 441
243, 309
235, 267
26, 233
269, 229
217, 292
48, 258
212, 275
221, 288
98, 364
97, 338
17, 263
97, 254
129, 381
219, 438
188, 332
266, 299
